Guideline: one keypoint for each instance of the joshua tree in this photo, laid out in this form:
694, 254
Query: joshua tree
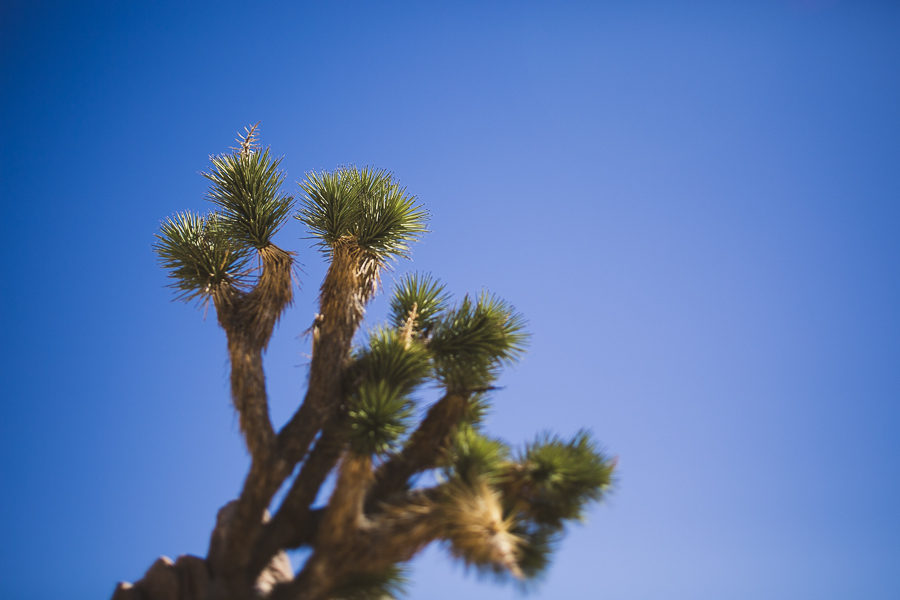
401, 482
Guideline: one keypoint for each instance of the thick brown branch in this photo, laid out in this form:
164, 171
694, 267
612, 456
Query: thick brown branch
344, 511
405, 528
231, 574
424, 449
273, 293
340, 529
341, 309
294, 524
248, 390
470, 518
248, 320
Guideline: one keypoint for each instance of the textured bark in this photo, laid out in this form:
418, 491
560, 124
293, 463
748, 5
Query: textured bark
341, 310
189, 577
340, 532
341, 305
248, 320
370, 547
424, 449
295, 524
185, 579
344, 512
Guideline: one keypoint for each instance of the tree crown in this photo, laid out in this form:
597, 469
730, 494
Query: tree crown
498, 509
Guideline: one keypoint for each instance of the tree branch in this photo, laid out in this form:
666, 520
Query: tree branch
248, 320
344, 511
294, 524
423, 450
341, 310
372, 547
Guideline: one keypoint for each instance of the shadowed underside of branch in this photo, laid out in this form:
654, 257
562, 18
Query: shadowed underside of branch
498, 511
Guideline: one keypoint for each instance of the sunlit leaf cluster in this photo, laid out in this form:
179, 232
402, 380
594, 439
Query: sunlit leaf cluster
365, 207
542, 487
476, 457
246, 188
473, 339
557, 477
198, 253
458, 348
379, 414
420, 296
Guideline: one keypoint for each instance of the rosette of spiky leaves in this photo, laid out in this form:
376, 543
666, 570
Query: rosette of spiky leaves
378, 415
384, 373
387, 356
366, 206
246, 186
555, 479
386, 585
420, 296
473, 339
475, 457
198, 253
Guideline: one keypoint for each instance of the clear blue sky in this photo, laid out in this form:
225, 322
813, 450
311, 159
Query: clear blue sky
696, 205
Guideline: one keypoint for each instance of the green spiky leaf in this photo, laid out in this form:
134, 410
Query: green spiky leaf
198, 253
473, 339
475, 457
536, 549
424, 293
402, 364
557, 479
246, 186
366, 206
477, 409
378, 415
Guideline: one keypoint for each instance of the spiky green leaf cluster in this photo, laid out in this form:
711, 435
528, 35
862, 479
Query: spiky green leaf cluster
202, 251
387, 585
460, 348
545, 486
473, 339
422, 292
366, 206
198, 253
401, 363
558, 478
384, 373
379, 414
475, 457
463, 351
246, 186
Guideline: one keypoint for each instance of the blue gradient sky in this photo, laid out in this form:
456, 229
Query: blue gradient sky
696, 205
